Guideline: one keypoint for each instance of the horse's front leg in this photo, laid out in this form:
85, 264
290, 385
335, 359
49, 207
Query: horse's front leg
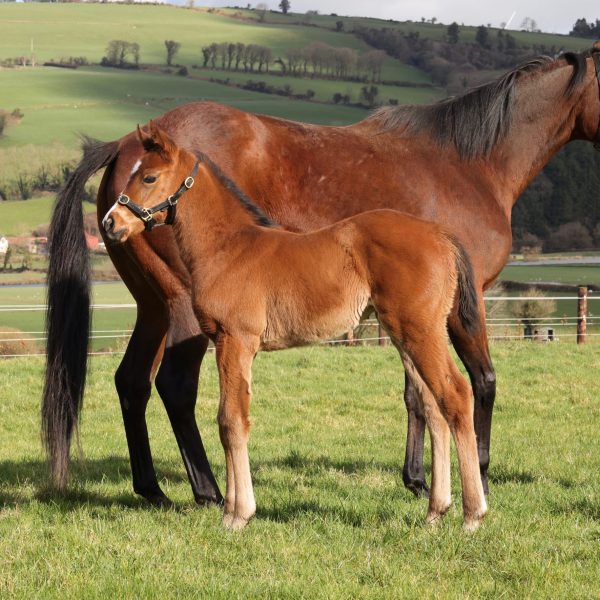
234, 361
177, 384
474, 353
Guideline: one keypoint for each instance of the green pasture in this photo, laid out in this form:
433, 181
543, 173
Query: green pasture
325, 89
22, 216
105, 322
107, 103
63, 30
334, 520
569, 274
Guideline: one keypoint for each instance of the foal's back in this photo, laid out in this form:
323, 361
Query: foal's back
316, 285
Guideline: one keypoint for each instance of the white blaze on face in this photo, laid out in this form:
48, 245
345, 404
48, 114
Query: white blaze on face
134, 170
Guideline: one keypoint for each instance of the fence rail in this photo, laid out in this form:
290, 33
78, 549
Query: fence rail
580, 321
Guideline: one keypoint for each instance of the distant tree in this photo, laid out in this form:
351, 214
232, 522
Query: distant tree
529, 311
262, 9
570, 236
284, 5
528, 24
205, 55
172, 49
453, 32
369, 94
337, 98
3, 121
482, 36
584, 29
433, 20
339, 25
117, 52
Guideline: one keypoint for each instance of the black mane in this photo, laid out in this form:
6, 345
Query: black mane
475, 121
259, 216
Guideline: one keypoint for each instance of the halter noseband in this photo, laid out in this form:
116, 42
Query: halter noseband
170, 204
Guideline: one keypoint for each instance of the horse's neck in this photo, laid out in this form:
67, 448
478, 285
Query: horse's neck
543, 121
209, 218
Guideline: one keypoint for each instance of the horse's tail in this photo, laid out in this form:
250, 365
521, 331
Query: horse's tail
68, 312
468, 312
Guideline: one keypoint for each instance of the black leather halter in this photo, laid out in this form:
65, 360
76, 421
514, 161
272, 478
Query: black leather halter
596, 58
170, 204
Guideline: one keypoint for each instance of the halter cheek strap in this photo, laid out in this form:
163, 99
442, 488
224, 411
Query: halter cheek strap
170, 204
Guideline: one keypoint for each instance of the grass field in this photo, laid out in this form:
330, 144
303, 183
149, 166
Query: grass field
334, 520
570, 274
325, 89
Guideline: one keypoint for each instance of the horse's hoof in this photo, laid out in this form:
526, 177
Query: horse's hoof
473, 522
418, 487
160, 501
227, 520
210, 501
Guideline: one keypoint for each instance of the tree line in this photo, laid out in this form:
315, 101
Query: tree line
582, 28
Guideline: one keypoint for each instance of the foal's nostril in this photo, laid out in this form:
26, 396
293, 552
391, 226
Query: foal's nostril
109, 224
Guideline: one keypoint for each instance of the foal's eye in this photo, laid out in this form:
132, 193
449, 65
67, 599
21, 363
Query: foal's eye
149, 179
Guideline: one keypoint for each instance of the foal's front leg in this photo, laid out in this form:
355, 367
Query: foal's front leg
234, 360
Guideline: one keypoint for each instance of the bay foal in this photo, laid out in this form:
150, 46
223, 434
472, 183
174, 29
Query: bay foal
257, 287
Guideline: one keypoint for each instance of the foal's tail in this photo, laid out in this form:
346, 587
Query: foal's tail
468, 312
68, 312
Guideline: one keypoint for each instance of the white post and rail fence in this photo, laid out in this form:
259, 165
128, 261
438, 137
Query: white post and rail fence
368, 331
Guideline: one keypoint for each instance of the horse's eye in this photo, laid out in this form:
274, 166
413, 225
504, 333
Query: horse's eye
149, 179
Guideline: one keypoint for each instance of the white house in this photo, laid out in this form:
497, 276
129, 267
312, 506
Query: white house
3, 245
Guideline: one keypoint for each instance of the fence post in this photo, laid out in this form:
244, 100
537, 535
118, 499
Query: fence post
581, 314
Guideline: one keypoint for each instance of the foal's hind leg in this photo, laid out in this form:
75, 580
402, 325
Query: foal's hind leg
440, 494
453, 396
234, 359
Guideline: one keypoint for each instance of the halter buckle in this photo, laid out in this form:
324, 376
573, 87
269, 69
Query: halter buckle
172, 200
146, 215
123, 199
189, 182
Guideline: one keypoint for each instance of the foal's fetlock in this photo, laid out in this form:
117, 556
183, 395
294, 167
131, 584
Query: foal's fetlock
436, 513
473, 521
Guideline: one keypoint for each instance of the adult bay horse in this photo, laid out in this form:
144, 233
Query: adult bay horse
260, 288
462, 162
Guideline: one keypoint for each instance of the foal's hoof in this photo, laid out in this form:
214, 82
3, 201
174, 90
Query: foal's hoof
472, 523
233, 523
210, 501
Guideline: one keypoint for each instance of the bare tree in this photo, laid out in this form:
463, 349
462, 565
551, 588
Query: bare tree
172, 49
261, 10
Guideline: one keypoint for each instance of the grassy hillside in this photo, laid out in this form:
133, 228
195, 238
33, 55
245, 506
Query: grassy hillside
85, 29
434, 31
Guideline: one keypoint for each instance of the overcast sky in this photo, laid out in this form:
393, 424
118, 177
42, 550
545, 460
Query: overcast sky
556, 16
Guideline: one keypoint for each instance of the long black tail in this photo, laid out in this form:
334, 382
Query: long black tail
68, 313
468, 312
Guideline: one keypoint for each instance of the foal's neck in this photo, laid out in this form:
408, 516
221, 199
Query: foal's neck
211, 218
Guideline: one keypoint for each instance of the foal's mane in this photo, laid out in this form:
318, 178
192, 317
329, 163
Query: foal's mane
260, 218
475, 121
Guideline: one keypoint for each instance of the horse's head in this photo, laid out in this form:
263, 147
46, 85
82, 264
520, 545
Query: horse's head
157, 181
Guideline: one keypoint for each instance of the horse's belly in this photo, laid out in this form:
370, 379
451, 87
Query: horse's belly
291, 328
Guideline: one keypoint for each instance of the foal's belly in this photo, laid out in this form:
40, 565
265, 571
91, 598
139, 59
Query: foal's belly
330, 317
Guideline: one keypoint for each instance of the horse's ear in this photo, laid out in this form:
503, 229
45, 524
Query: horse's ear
596, 45
145, 138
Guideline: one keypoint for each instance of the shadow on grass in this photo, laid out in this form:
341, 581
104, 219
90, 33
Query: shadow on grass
500, 474
311, 465
113, 469
590, 509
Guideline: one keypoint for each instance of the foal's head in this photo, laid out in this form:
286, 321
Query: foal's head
157, 180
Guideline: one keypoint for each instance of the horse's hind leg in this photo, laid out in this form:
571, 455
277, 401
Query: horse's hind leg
440, 493
177, 384
413, 474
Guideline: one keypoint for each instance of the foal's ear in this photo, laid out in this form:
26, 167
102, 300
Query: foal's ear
156, 139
